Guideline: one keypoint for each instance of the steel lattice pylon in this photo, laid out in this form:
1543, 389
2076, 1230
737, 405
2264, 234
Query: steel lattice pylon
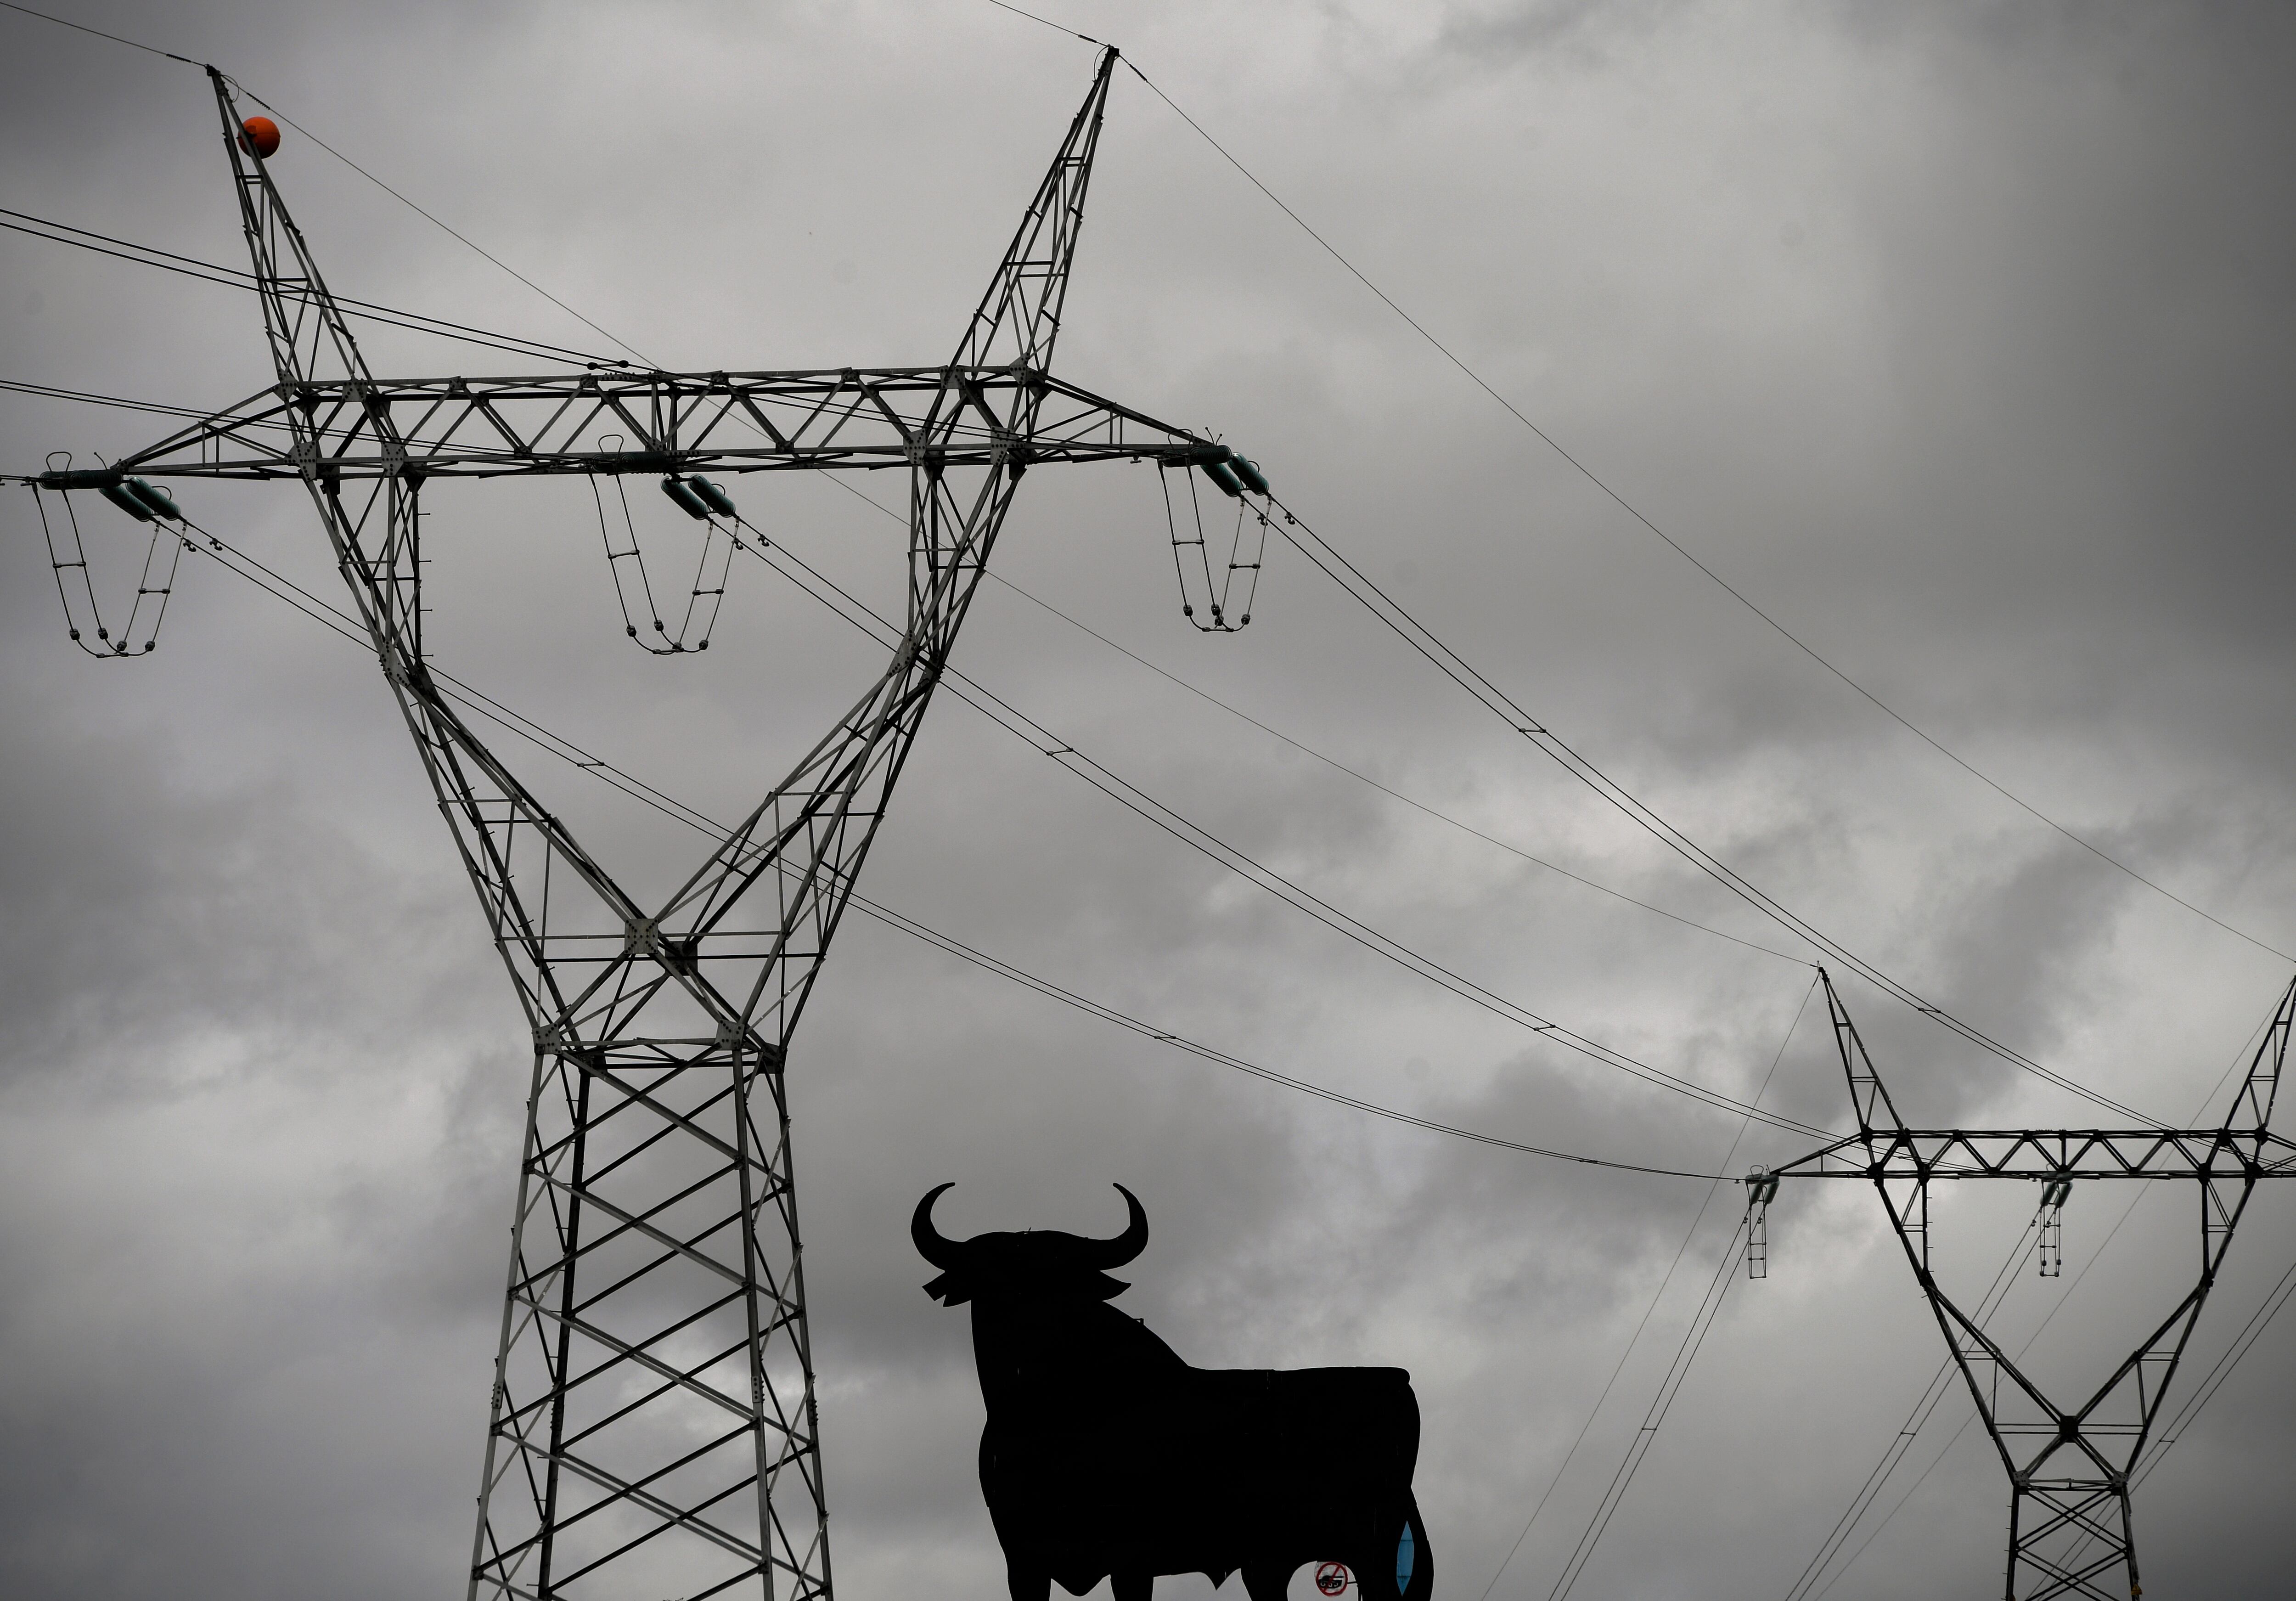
653, 1427
2068, 1466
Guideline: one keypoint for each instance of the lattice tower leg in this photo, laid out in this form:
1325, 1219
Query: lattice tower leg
2071, 1538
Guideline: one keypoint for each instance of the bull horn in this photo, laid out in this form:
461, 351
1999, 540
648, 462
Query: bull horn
1124, 1247
940, 1251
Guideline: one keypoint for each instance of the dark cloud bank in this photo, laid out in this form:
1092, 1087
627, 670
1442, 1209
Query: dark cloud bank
1955, 336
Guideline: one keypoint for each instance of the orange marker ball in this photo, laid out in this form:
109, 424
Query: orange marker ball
259, 136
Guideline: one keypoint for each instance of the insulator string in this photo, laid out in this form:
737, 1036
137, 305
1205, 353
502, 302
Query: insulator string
149, 593
703, 598
1220, 598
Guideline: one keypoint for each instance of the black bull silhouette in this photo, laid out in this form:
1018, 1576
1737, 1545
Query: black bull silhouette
1107, 1457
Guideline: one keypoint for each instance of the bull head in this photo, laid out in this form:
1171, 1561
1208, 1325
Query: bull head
1032, 1264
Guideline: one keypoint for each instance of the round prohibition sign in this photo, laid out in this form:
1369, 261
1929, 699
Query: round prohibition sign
1332, 1577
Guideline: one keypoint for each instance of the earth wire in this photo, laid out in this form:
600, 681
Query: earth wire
99, 33
1626, 505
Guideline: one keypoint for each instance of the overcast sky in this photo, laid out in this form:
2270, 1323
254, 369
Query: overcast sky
1956, 338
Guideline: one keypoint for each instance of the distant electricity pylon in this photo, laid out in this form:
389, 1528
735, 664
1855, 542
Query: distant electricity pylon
653, 1430
2069, 1465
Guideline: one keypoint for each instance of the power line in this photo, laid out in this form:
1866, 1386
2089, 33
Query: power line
426, 217
1656, 1296
1447, 660
1099, 775
2282, 1291
1898, 1506
1394, 794
1174, 822
1658, 1412
345, 161
1146, 806
1334, 762
280, 587
232, 277
1335, 566
1047, 22
1709, 864
1632, 511
1357, 933
99, 33
2213, 1380
48, 392
1048, 743
1693, 1339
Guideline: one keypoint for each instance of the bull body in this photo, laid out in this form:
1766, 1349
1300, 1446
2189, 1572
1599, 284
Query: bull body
1107, 1457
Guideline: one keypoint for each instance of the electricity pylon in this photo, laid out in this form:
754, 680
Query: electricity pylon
2069, 1465
653, 1429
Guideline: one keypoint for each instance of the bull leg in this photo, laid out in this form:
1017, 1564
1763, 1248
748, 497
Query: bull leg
1267, 1580
1133, 1586
1027, 1584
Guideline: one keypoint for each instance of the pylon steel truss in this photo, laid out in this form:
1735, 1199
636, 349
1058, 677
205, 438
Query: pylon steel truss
2069, 1465
653, 1427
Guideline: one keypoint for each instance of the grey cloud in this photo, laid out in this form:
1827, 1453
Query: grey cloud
1950, 334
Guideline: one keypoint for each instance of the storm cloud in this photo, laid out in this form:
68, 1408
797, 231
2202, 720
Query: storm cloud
1954, 336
